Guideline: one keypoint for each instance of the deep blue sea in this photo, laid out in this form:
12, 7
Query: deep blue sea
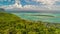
45, 17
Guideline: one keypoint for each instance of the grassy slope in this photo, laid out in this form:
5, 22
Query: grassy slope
11, 24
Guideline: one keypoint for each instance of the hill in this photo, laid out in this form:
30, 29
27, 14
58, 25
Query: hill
1, 9
11, 24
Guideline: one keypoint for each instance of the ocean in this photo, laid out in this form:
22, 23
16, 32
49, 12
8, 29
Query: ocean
45, 17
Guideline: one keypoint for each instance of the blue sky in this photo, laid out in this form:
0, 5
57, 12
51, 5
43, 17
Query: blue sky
23, 2
43, 3
6, 2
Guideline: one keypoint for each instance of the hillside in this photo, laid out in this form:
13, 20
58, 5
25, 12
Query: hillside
11, 24
2, 10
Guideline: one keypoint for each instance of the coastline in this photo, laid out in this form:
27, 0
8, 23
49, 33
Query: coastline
16, 25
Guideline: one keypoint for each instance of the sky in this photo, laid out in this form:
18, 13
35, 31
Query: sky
31, 4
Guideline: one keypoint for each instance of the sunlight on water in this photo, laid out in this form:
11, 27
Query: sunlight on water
45, 17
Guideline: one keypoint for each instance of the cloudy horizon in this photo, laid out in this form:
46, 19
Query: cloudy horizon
30, 4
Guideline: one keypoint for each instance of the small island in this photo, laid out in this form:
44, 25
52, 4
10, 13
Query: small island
44, 15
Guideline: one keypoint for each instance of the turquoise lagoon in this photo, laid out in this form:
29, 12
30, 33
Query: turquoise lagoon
45, 17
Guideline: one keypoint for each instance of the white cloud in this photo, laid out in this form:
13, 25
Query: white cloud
49, 4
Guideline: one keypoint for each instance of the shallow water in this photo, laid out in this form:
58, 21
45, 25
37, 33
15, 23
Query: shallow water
45, 17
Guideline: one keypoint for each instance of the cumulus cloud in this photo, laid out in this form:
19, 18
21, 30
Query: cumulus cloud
48, 4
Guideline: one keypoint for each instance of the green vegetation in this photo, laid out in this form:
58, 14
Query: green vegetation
11, 24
